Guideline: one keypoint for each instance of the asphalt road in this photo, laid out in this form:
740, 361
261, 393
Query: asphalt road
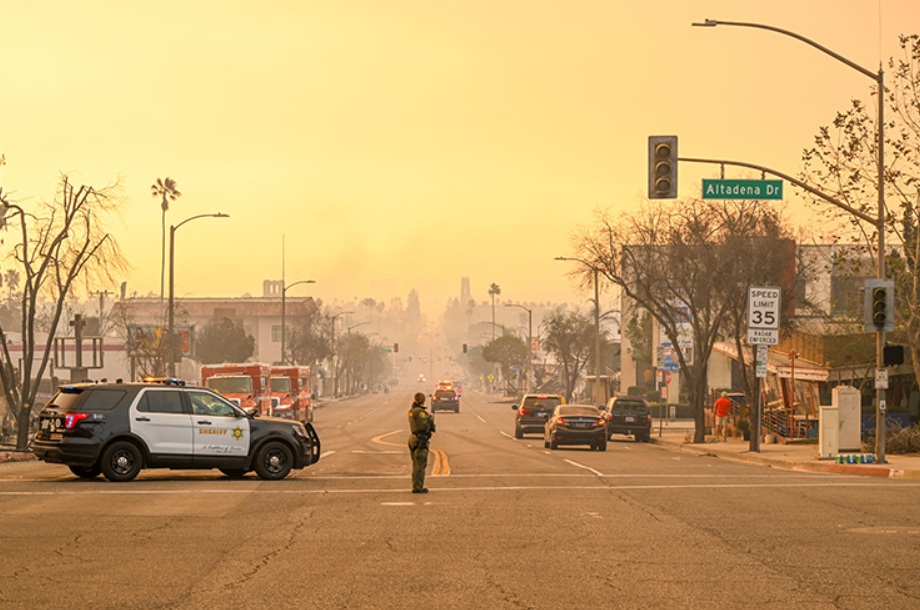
508, 524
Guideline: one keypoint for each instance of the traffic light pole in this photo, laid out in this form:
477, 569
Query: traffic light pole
878, 221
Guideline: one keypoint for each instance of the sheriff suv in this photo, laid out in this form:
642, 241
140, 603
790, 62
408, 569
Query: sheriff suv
118, 429
532, 413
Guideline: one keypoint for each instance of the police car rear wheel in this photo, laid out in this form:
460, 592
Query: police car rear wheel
121, 462
86, 472
274, 461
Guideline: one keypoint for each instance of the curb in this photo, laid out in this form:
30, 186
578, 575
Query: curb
865, 470
16, 456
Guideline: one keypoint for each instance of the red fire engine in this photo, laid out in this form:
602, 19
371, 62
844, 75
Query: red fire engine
247, 384
291, 392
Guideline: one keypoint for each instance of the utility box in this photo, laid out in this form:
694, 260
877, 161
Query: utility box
847, 400
828, 433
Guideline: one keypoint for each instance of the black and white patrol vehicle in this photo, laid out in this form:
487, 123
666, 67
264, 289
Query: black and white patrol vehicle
118, 429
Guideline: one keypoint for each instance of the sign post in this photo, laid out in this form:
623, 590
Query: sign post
763, 330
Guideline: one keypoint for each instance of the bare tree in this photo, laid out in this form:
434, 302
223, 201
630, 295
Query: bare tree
680, 263
569, 337
843, 163
59, 242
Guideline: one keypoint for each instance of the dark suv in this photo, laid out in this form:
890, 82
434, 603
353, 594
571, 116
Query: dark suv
445, 400
118, 429
628, 415
533, 411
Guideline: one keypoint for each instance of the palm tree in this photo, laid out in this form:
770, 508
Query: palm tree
166, 190
11, 277
493, 291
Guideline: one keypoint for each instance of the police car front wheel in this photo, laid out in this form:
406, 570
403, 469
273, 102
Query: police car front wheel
274, 461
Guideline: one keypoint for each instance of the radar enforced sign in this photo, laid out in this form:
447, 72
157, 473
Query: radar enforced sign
763, 315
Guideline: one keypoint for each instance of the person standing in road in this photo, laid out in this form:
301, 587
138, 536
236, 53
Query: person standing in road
721, 408
421, 427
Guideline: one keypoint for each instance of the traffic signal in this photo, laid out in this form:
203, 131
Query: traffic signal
396, 348
464, 348
662, 167
879, 306
892, 355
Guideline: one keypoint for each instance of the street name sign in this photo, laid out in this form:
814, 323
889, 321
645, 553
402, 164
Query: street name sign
742, 189
763, 315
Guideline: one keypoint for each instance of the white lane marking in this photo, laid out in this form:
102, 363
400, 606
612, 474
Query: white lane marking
588, 468
503, 433
480, 418
397, 504
326, 454
605, 488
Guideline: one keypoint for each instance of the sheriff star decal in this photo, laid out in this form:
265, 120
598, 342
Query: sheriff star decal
237, 433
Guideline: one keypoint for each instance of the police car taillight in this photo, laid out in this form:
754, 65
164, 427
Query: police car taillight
523, 411
72, 419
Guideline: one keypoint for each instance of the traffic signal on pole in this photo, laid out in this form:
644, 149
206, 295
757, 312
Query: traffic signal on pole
396, 348
662, 167
879, 306
464, 348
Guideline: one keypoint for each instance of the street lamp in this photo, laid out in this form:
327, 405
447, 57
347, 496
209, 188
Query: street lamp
170, 337
529, 339
879, 221
597, 326
284, 289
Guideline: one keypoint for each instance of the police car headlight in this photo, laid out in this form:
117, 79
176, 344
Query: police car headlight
299, 430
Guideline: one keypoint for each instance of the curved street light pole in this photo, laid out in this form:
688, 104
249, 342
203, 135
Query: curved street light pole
529, 339
171, 330
596, 394
284, 289
879, 79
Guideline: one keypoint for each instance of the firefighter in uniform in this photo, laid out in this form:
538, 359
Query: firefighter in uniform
421, 427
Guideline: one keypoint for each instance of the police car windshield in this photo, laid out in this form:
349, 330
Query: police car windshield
230, 385
281, 384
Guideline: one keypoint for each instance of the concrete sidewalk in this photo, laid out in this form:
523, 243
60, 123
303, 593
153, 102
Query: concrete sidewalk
802, 457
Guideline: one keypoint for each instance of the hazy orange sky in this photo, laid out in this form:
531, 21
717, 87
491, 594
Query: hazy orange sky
404, 144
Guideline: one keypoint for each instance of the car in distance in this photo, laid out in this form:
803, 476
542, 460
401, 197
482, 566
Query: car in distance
533, 411
445, 400
118, 429
576, 425
628, 415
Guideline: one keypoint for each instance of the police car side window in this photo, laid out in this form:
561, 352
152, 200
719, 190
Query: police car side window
164, 401
204, 403
102, 400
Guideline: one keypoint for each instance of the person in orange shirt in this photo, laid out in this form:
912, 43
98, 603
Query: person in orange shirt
722, 407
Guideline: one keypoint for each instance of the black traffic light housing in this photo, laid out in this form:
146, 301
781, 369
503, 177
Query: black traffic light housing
662, 167
892, 355
879, 306
464, 348
396, 348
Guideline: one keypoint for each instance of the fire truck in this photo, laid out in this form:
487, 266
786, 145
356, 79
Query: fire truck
247, 384
291, 392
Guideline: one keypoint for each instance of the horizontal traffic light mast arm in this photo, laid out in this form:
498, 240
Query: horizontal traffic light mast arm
833, 200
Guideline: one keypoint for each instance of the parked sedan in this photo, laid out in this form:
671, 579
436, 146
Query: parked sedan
576, 425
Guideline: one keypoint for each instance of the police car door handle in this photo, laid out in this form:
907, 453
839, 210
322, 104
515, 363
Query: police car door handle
141, 419
204, 422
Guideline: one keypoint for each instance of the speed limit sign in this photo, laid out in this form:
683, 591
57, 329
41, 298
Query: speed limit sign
763, 315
